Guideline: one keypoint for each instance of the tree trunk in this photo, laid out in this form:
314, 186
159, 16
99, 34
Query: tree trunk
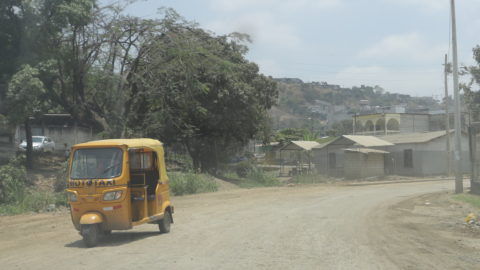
194, 153
28, 132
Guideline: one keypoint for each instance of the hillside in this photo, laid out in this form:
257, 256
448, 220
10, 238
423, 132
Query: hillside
296, 97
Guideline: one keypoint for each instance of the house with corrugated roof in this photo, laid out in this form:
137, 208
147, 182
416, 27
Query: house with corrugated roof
423, 153
411, 154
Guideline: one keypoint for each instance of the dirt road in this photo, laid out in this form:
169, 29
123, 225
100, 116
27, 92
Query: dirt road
309, 227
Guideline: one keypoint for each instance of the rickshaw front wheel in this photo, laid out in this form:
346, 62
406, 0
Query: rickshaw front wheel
164, 224
90, 235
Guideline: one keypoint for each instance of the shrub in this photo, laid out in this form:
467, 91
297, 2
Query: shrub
243, 168
12, 181
257, 177
231, 175
191, 183
61, 181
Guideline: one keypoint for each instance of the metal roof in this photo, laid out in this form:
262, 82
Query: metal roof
365, 141
300, 145
414, 137
366, 150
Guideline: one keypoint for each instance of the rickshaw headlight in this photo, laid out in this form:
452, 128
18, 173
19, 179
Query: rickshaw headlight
111, 196
72, 197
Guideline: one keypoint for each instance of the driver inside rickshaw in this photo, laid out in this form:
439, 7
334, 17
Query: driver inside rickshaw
106, 160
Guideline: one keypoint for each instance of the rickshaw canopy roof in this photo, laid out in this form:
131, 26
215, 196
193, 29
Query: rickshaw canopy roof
130, 143
155, 145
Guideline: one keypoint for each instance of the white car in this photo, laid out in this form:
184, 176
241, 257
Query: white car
39, 143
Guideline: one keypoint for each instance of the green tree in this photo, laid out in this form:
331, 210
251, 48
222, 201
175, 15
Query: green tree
287, 135
471, 96
23, 97
310, 136
207, 94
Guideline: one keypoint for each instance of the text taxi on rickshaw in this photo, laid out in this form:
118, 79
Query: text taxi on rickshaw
116, 185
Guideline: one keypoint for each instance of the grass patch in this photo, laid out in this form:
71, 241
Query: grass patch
190, 183
34, 202
257, 177
467, 198
310, 179
232, 175
17, 198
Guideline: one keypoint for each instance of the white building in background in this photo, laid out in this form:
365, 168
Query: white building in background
391, 109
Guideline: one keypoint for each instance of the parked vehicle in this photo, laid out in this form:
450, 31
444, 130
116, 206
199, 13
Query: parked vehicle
238, 158
116, 185
260, 158
39, 144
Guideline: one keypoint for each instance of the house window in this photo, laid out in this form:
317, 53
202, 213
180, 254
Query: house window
408, 158
332, 161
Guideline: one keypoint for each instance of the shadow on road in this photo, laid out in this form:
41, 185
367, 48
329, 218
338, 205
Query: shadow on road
115, 239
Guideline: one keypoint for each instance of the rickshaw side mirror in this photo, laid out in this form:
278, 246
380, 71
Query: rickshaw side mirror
131, 153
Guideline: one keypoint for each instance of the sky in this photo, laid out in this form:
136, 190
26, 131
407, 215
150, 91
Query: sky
397, 44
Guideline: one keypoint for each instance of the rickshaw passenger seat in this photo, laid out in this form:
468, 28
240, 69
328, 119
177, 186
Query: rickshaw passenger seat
151, 197
137, 198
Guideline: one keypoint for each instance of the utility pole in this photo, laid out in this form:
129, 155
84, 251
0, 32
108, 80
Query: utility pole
458, 132
447, 117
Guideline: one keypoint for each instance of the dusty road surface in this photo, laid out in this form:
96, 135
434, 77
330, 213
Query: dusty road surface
304, 227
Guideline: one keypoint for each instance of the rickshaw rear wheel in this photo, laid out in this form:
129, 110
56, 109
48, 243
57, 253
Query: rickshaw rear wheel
164, 224
90, 235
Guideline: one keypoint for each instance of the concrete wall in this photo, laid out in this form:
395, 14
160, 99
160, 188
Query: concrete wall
69, 135
321, 160
394, 160
60, 135
436, 158
359, 165
410, 123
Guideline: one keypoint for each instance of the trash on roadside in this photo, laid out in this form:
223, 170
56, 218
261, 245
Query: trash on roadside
471, 216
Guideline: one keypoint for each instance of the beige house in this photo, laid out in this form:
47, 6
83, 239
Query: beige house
378, 124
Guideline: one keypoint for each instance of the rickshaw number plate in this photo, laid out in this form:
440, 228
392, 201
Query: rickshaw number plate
90, 190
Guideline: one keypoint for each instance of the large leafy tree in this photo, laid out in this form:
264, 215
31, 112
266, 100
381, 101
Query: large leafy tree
23, 97
200, 89
164, 78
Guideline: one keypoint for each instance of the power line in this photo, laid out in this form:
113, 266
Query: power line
321, 71
340, 79
355, 65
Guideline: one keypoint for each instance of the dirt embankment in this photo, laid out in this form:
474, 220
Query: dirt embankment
431, 233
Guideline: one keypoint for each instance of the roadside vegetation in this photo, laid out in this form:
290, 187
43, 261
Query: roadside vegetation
311, 179
17, 197
186, 183
257, 177
468, 198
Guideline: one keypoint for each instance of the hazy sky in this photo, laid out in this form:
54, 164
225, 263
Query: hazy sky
397, 44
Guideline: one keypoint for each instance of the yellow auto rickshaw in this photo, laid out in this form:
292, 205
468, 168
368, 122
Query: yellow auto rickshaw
116, 185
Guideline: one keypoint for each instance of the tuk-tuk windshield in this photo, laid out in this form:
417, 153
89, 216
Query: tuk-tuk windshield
97, 163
